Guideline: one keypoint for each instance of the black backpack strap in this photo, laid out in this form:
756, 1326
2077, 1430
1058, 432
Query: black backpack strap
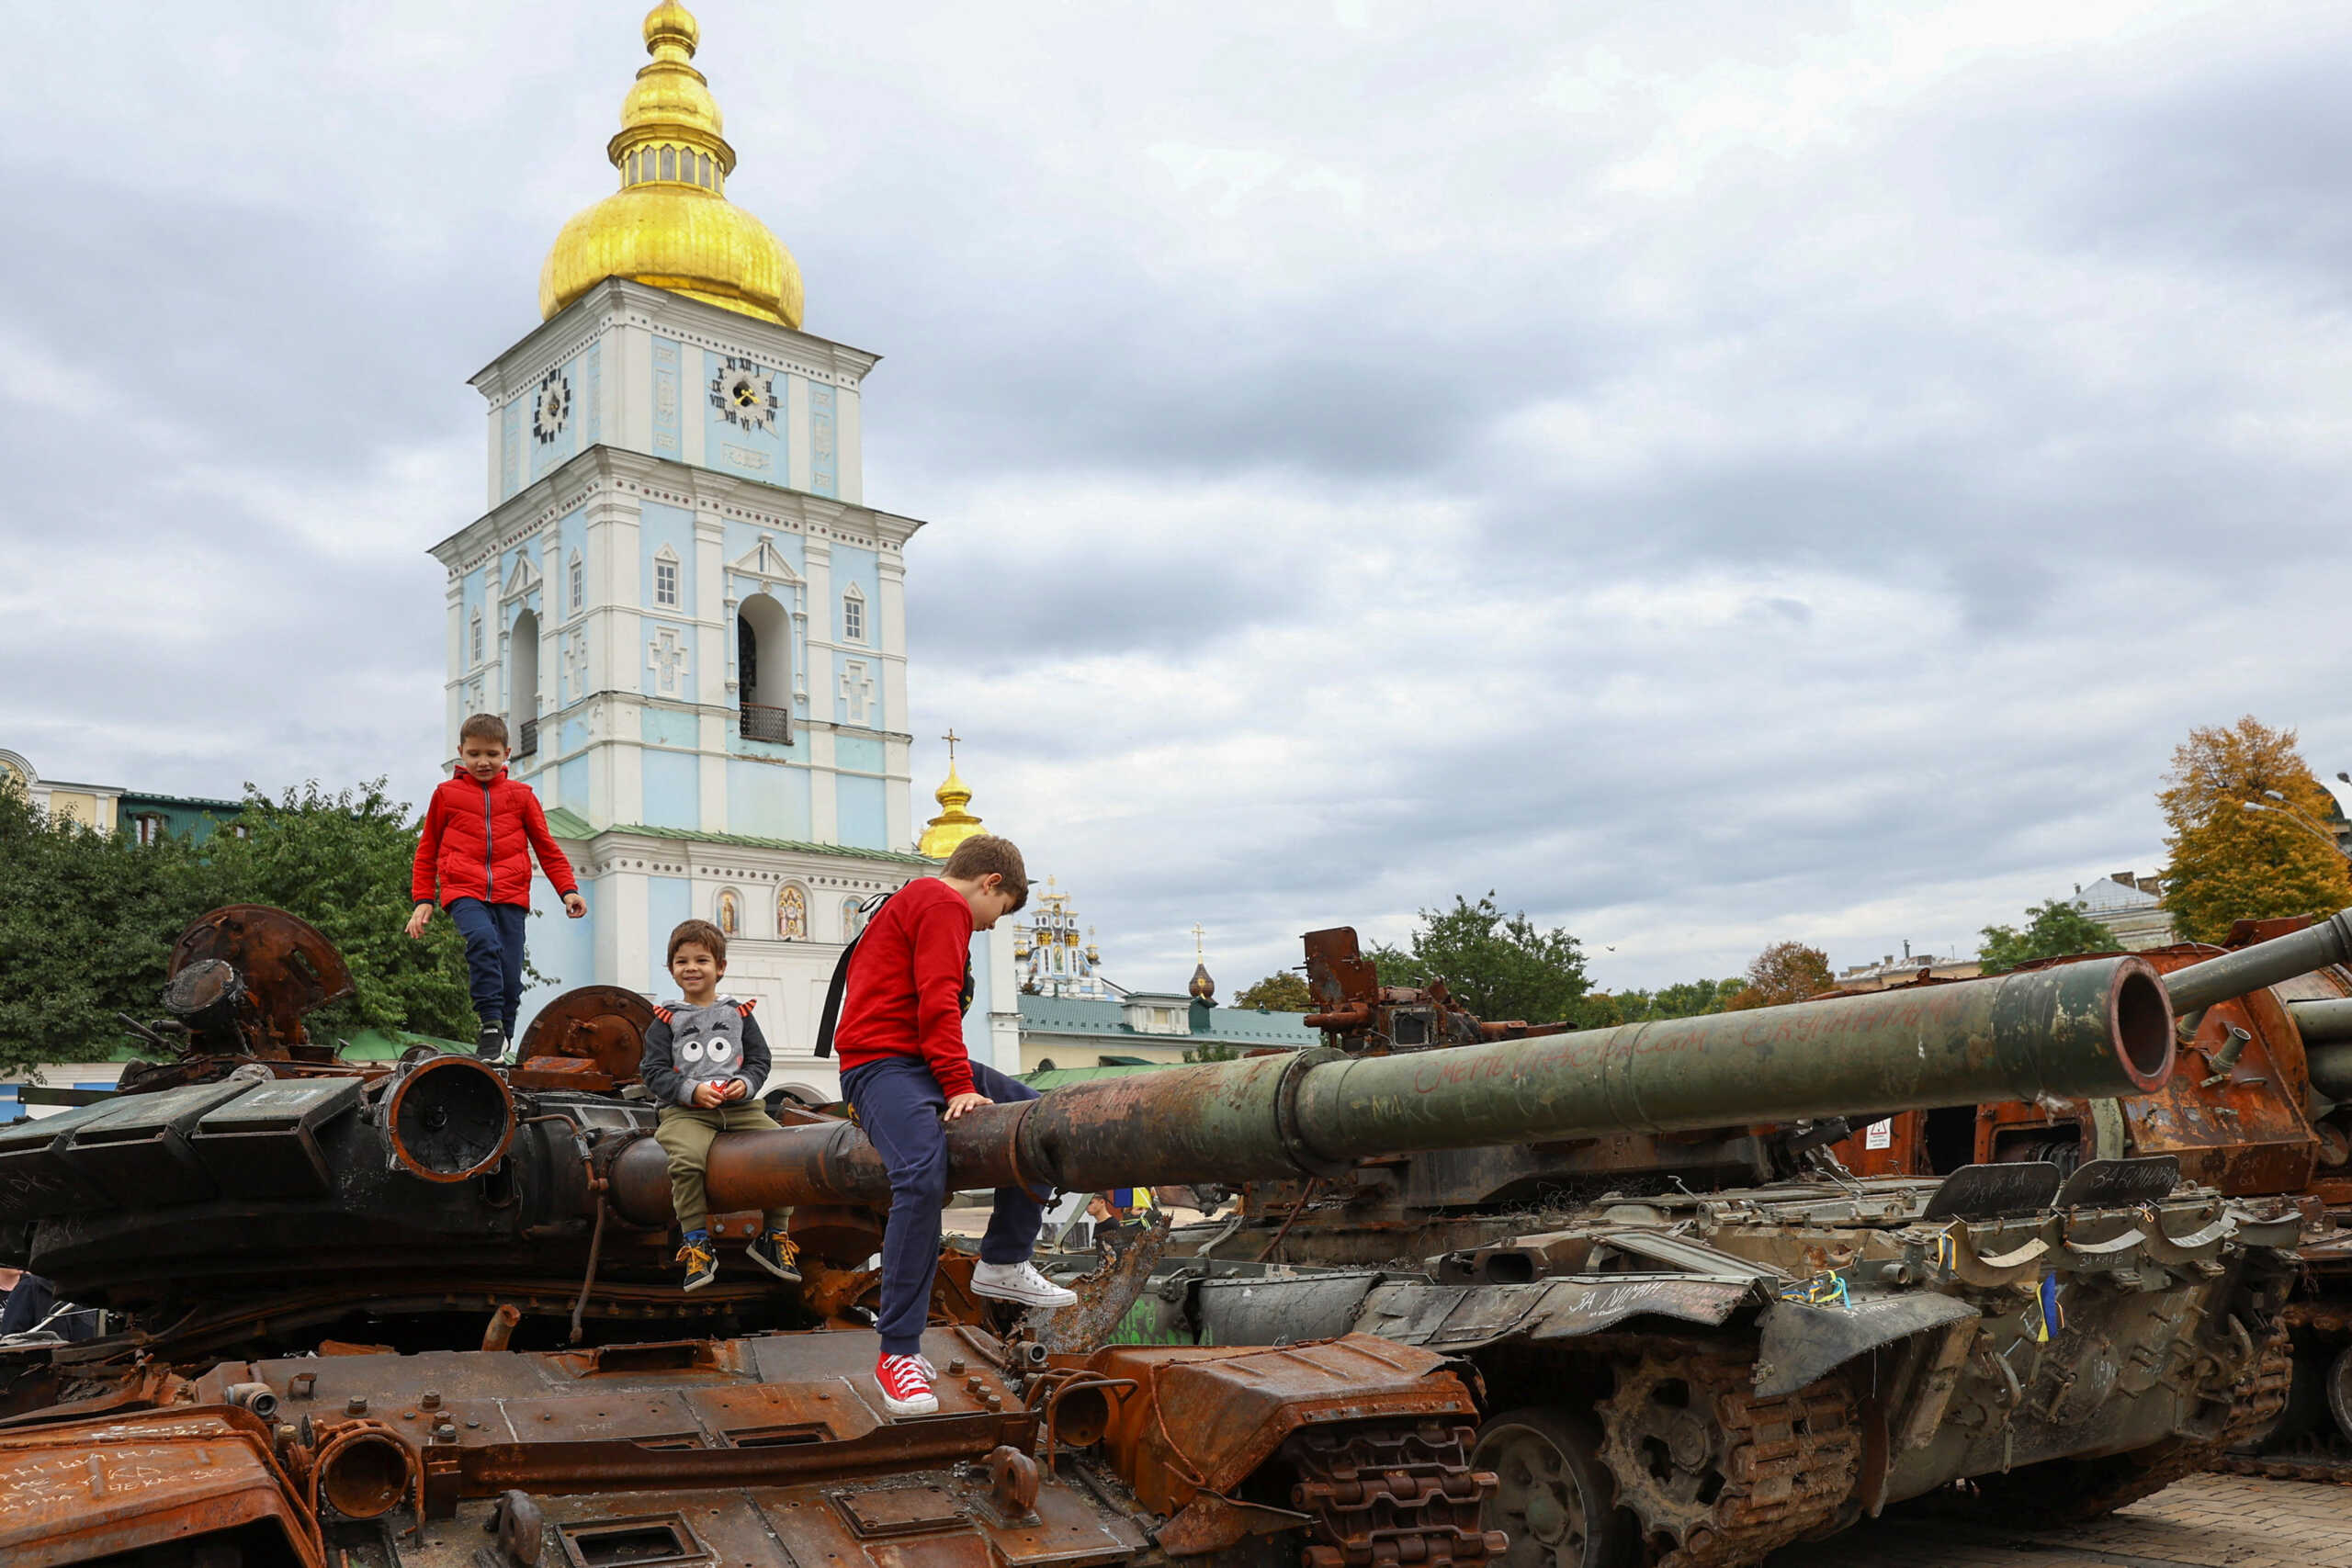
839, 984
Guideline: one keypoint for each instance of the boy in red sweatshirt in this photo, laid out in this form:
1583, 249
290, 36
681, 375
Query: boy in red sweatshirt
472, 845
905, 1070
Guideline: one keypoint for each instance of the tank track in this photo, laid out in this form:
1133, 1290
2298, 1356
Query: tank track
1383, 1497
1722, 1475
2325, 1458
2073, 1493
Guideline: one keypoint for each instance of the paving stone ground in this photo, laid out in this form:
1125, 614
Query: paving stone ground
2207, 1521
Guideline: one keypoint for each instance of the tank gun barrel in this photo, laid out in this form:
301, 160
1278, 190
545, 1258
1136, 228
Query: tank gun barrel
2199, 985
2325, 1022
2095, 1028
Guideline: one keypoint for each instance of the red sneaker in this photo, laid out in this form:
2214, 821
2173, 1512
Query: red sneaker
906, 1385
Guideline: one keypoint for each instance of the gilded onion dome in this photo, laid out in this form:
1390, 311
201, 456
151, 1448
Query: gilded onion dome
670, 224
954, 824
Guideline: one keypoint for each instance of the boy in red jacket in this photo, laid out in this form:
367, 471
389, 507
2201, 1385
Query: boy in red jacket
905, 1070
474, 843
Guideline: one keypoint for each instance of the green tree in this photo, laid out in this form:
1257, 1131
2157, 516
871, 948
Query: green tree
1282, 991
87, 920
1687, 998
2231, 863
1784, 972
2054, 929
1499, 967
1211, 1050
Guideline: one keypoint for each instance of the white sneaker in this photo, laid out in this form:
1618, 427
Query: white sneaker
1019, 1283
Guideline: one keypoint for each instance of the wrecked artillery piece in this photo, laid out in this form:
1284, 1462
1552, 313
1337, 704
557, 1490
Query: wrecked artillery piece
1702, 1343
253, 1195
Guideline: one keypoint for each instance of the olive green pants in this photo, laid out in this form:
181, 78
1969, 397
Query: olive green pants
684, 1133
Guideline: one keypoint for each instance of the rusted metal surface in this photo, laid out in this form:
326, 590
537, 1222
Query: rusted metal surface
590, 1038
284, 968
774, 1450
92, 1489
1723, 1476
1206, 1420
1106, 1292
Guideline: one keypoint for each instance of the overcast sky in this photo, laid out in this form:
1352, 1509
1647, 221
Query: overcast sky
1711, 473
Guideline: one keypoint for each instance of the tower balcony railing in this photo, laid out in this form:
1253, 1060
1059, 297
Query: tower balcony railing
529, 740
762, 722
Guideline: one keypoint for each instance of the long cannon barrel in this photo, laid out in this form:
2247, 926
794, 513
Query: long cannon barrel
2095, 1028
2201, 985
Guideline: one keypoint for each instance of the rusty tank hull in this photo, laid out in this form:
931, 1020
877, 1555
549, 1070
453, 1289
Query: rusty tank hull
1702, 1344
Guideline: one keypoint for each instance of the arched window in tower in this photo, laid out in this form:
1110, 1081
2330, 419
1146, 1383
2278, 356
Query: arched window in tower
575, 583
474, 636
666, 578
522, 685
854, 614
730, 913
668, 162
792, 912
764, 669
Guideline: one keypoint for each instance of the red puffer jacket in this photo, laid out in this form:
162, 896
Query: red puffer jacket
474, 839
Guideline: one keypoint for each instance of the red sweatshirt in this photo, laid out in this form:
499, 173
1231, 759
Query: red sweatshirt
905, 992
472, 843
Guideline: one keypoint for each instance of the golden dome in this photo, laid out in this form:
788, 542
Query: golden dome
670, 224
954, 824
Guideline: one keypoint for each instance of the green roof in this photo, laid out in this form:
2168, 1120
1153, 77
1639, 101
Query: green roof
566, 823
1107, 1020
386, 1044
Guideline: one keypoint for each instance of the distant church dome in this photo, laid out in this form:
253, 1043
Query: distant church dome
670, 224
954, 824
1203, 988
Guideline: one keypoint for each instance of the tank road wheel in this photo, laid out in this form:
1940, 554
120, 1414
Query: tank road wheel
1555, 1502
2340, 1392
1716, 1475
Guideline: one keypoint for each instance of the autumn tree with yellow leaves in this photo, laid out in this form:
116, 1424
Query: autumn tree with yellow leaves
2232, 863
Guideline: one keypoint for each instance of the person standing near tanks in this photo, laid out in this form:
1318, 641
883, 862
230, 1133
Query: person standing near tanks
905, 984
480, 831
705, 1058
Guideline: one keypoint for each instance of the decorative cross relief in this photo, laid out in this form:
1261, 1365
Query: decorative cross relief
666, 655
857, 691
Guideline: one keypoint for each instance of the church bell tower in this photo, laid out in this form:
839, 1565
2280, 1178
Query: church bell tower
677, 597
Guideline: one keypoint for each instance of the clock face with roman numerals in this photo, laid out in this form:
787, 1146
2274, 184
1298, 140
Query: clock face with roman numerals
552, 406
745, 395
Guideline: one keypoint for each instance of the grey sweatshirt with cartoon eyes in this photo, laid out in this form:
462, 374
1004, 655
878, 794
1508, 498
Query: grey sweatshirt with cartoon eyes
688, 1047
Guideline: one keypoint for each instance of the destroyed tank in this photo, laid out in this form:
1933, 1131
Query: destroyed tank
249, 1193
2254, 1107
1701, 1342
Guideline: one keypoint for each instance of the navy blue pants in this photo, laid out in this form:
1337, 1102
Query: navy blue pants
493, 934
899, 1103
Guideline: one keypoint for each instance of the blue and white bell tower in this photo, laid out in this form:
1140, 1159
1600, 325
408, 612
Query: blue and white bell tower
692, 623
